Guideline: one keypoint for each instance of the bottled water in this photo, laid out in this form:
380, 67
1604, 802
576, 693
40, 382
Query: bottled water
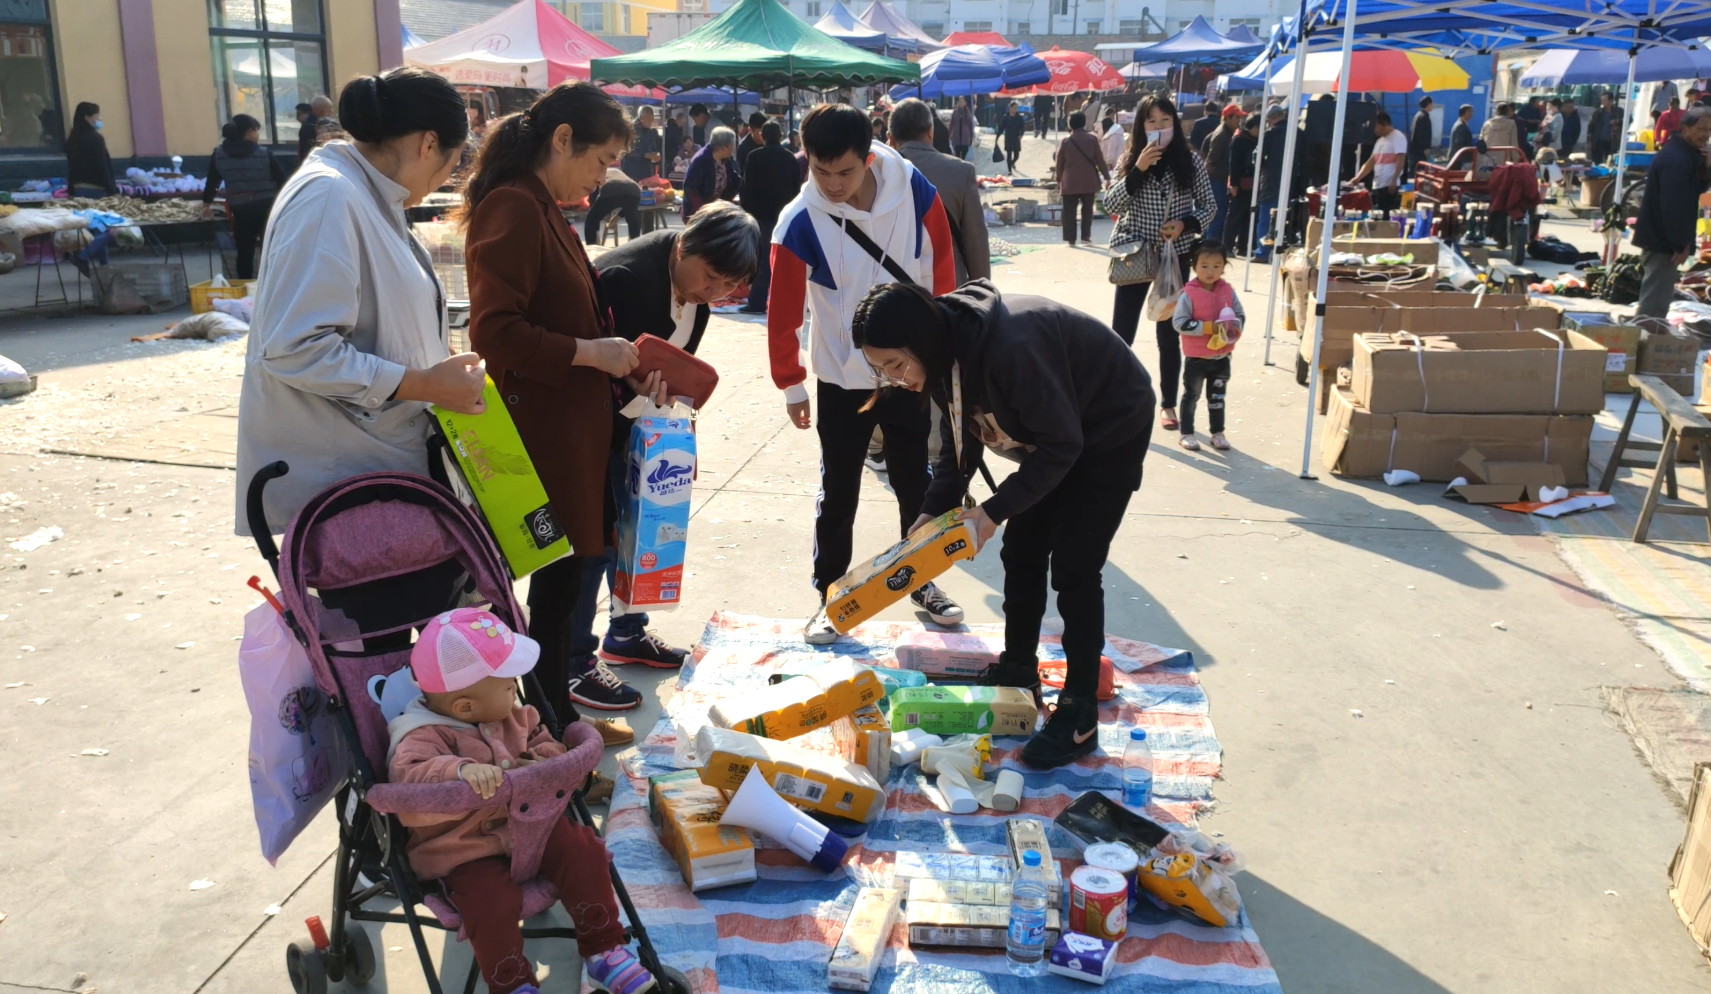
1029, 895
1137, 771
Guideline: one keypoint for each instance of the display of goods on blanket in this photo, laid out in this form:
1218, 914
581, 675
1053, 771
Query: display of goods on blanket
157, 211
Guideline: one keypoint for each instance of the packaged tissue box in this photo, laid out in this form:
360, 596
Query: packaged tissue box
653, 524
801, 703
1083, 957
901, 570
686, 815
862, 946
809, 780
951, 710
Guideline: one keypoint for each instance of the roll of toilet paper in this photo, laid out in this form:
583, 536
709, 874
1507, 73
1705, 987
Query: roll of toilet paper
1008, 793
908, 745
960, 799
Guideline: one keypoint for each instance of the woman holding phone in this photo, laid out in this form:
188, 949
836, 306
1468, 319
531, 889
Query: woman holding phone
1160, 191
535, 317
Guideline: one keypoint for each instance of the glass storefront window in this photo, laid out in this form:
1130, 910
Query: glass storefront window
30, 114
269, 56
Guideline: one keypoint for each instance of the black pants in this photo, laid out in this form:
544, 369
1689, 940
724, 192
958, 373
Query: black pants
248, 222
1073, 202
761, 285
1126, 320
1069, 532
1041, 123
1214, 375
605, 202
1236, 224
844, 430
1387, 199
553, 592
1010, 155
961, 151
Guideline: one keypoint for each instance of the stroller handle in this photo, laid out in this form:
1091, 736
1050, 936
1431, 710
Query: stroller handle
258, 516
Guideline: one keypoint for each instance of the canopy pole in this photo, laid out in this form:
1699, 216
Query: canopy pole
1253, 205
1330, 198
1612, 238
1288, 177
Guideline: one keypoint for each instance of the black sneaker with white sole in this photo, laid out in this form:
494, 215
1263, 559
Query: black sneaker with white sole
876, 462
647, 649
1070, 733
819, 630
595, 686
938, 605
1013, 671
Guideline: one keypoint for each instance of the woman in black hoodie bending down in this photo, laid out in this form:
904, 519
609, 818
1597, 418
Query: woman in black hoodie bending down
1059, 393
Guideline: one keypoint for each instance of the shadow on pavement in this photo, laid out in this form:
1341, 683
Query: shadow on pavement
1314, 954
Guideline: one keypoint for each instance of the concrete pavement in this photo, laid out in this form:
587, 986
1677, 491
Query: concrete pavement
1481, 826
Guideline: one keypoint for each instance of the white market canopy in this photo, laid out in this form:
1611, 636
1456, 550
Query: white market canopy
529, 45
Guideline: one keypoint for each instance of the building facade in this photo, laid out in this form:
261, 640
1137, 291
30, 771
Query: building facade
167, 73
1107, 20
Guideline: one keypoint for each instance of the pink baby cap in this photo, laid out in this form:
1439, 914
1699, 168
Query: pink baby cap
460, 648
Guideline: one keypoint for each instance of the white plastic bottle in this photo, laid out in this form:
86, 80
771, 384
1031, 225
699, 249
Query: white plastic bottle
1030, 893
1137, 771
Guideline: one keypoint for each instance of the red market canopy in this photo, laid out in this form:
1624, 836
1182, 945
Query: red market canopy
529, 45
1076, 72
976, 38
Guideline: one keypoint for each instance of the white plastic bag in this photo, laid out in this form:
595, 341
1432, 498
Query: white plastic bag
297, 758
1167, 285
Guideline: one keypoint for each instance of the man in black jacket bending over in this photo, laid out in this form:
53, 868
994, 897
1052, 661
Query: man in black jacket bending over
1669, 211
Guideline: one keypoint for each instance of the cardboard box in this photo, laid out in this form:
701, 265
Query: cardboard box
1671, 358
801, 703
1352, 229
953, 655
808, 780
954, 710
1502, 482
861, 947
1497, 372
1622, 347
686, 815
500, 480
653, 524
968, 926
1690, 870
1358, 443
1346, 319
904, 568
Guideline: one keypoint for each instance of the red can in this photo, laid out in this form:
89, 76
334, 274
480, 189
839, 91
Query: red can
1098, 903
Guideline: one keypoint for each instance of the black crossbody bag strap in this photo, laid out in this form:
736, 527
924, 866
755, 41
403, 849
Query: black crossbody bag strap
868, 245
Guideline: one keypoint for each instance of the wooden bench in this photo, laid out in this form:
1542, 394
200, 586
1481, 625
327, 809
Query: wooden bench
1680, 421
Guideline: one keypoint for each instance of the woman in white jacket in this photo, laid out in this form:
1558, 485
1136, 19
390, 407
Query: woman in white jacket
349, 344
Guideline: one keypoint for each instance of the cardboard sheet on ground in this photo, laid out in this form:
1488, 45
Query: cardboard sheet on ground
778, 933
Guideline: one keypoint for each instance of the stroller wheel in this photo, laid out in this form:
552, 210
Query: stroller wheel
307, 968
671, 981
359, 954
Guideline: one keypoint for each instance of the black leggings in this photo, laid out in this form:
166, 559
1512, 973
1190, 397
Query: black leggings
1126, 320
248, 222
553, 592
1010, 155
1214, 376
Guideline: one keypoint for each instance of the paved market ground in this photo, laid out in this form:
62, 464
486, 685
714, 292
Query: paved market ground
1482, 825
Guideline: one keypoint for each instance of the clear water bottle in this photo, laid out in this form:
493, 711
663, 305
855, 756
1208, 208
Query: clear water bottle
1030, 893
1137, 771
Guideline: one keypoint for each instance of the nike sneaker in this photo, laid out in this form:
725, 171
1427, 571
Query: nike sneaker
1070, 733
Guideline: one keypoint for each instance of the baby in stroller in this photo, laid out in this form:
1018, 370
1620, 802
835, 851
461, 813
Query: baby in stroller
469, 725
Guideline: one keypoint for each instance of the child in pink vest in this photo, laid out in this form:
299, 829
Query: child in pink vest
1210, 319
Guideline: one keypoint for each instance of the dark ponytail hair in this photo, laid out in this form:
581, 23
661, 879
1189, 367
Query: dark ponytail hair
516, 142
80, 118
905, 316
403, 101
239, 127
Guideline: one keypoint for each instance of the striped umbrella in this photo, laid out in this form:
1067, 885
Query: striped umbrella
1378, 71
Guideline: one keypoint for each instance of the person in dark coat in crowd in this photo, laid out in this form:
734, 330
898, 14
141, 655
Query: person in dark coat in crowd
1601, 136
252, 177
1669, 211
1570, 126
1080, 171
941, 134
1461, 135
1241, 184
962, 129
1271, 181
771, 180
1011, 126
698, 118
1210, 116
958, 186
712, 174
673, 138
620, 195
1059, 393
1216, 151
1043, 110
751, 141
88, 167
1419, 139
646, 156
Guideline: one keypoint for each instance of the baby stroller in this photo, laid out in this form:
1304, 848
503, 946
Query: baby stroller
363, 563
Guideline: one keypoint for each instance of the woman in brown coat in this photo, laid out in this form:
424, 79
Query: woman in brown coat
1081, 172
535, 319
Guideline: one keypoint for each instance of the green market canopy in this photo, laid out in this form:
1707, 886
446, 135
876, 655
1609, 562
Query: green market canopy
758, 44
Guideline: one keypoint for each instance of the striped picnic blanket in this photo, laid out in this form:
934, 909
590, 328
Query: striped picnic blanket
776, 934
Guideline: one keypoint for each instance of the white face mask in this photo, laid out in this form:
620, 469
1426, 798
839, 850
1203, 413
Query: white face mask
1161, 138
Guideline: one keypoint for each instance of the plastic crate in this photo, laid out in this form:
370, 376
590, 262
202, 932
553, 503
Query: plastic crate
202, 294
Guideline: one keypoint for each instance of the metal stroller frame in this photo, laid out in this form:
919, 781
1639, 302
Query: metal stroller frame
370, 834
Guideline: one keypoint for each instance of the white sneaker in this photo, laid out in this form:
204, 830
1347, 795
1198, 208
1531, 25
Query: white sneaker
876, 462
938, 605
819, 630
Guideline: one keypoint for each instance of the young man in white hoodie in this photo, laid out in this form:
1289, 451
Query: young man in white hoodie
885, 202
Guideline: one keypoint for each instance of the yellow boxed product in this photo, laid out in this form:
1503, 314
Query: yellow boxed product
904, 568
955, 709
969, 926
801, 703
873, 741
806, 779
862, 946
686, 814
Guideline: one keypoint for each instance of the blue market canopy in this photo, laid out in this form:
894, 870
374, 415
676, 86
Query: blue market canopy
1244, 34
965, 70
1571, 67
1523, 24
1196, 43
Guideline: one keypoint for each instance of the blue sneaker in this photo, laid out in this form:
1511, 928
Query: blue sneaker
619, 972
647, 648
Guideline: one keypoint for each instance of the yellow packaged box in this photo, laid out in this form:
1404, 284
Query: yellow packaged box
956, 709
873, 741
969, 926
806, 779
866, 934
686, 814
904, 568
802, 703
